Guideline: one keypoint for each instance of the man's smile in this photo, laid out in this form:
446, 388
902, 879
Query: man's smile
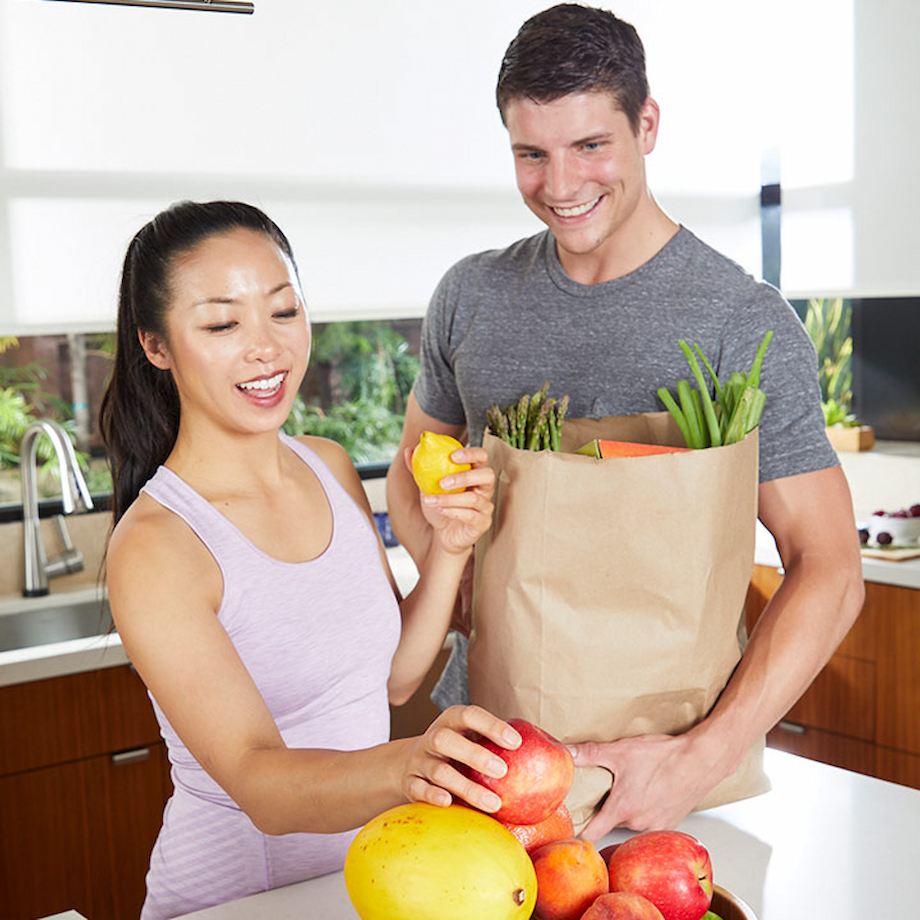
576, 210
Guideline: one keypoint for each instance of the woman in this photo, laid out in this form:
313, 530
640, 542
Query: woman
248, 584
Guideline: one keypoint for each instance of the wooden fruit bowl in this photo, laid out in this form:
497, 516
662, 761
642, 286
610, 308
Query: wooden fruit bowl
729, 906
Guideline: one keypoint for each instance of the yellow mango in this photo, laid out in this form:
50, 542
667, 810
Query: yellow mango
423, 862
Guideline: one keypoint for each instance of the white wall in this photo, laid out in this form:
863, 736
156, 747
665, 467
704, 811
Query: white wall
368, 130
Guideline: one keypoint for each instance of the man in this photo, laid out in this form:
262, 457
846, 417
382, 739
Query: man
595, 304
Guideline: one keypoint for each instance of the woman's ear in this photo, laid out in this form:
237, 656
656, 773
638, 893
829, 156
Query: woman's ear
155, 349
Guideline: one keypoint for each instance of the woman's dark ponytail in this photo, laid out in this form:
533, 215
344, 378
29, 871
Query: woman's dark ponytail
139, 418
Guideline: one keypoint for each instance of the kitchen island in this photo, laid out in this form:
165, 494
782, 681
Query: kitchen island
824, 844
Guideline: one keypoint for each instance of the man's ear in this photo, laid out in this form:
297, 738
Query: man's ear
155, 349
649, 116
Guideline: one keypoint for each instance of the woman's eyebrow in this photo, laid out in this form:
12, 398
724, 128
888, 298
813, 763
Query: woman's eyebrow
274, 290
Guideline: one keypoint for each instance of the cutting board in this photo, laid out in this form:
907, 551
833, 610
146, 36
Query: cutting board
899, 554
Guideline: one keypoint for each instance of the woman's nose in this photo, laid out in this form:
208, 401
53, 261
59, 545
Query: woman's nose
263, 346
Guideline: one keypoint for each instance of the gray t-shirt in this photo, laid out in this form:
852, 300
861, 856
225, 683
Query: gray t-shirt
502, 322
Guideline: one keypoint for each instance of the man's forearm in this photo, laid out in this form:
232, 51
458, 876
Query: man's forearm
406, 518
797, 633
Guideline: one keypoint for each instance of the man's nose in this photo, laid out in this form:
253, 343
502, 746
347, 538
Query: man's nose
562, 180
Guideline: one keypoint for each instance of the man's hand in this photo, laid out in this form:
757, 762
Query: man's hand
657, 780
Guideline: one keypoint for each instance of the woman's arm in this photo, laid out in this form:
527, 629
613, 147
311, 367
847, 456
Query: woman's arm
171, 632
455, 522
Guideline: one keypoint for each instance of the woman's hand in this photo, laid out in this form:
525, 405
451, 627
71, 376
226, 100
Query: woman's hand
430, 776
459, 519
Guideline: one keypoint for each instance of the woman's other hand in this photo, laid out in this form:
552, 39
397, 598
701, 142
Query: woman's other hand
430, 773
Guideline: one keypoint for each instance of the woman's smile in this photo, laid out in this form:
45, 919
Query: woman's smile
265, 391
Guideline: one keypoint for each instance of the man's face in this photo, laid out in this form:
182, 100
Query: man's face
580, 168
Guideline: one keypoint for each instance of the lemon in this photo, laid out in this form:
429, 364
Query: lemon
422, 862
431, 462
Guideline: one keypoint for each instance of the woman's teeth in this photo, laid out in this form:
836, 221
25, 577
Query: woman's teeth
266, 383
578, 210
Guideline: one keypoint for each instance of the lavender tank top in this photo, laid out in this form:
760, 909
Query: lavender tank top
318, 638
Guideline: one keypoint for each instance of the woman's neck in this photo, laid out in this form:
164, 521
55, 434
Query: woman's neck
215, 461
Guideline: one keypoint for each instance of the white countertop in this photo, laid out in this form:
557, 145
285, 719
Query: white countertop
904, 574
824, 844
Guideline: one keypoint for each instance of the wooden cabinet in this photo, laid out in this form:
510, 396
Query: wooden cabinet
862, 712
83, 781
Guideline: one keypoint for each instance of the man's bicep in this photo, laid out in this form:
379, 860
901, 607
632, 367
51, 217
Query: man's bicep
810, 513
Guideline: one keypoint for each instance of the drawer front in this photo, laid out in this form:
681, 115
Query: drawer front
826, 747
841, 699
73, 717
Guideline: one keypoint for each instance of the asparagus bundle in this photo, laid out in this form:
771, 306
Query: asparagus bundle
534, 422
736, 410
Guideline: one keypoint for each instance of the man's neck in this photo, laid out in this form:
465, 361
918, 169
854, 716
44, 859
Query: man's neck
630, 249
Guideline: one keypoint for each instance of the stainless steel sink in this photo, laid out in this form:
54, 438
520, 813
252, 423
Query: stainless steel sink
42, 624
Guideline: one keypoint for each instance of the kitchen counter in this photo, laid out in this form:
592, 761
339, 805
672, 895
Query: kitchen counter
78, 655
824, 844
904, 574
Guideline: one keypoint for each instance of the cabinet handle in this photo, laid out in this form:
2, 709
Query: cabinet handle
138, 755
792, 727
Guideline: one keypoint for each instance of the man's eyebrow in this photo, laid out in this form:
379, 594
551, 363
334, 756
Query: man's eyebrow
590, 139
274, 290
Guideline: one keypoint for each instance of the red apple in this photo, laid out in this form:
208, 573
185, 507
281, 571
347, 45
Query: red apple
670, 868
622, 905
539, 775
558, 826
570, 876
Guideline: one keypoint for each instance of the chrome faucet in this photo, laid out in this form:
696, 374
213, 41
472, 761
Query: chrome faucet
39, 568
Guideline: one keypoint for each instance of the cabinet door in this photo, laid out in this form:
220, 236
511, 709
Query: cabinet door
53, 847
78, 836
897, 613
135, 786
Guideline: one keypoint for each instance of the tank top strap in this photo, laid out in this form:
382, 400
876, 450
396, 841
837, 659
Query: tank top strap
218, 534
339, 500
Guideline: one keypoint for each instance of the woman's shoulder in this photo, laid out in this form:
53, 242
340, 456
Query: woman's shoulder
151, 537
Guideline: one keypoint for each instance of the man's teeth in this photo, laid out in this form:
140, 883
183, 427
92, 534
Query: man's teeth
577, 210
267, 383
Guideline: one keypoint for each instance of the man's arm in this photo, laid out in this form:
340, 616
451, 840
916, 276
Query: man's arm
406, 517
658, 779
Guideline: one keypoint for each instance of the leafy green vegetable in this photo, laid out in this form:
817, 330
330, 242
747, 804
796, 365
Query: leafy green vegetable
736, 409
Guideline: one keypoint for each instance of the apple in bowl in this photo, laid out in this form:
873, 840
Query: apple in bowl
669, 868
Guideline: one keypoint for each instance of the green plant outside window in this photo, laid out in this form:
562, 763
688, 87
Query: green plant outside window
828, 325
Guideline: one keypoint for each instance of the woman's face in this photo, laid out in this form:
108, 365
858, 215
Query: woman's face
237, 337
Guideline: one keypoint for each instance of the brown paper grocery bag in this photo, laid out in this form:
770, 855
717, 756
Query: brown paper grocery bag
608, 594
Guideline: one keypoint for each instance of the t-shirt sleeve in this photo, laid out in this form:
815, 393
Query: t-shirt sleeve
435, 387
792, 434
